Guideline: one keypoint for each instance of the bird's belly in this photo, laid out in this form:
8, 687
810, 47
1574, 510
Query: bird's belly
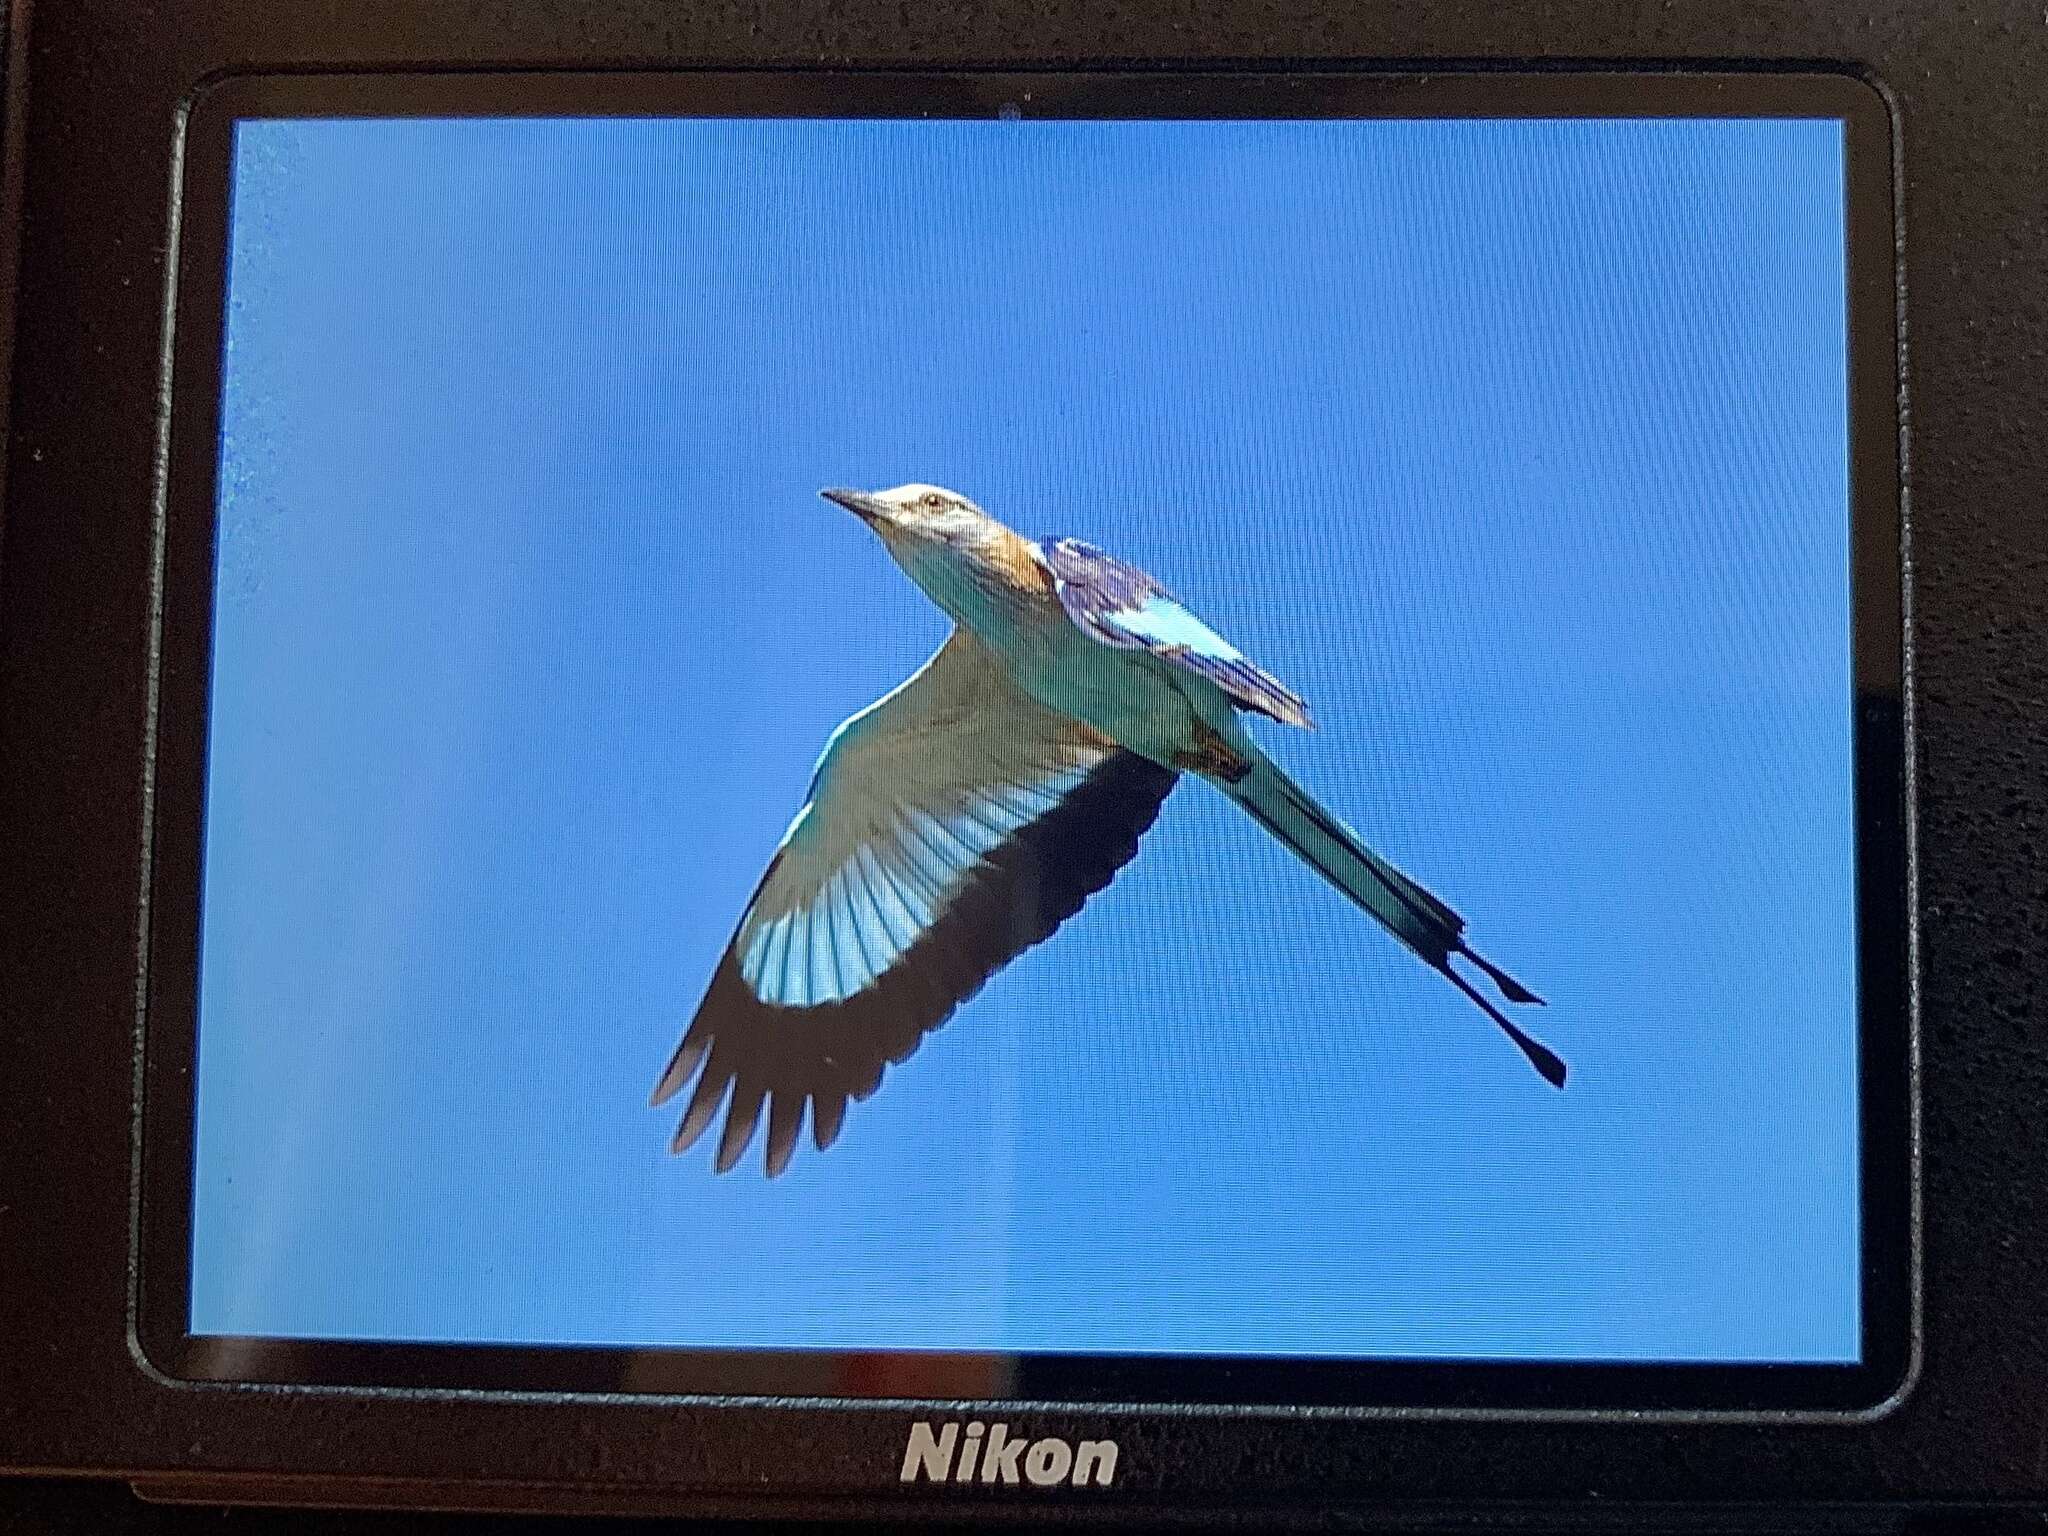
1123, 694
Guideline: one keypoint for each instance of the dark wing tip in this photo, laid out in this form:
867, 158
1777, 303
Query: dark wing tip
702, 1110
828, 1113
785, 1124
741, 1117
1281, 701
1251, 687
680, 1066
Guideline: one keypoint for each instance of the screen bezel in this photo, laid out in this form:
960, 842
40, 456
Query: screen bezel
181, 647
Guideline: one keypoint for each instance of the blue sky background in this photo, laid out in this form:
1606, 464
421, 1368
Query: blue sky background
1517, 447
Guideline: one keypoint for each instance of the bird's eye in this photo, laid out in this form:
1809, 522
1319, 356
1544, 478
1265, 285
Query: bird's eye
933, 500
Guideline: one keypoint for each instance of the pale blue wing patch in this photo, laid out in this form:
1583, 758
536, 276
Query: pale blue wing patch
1161, 623
796, 960
893, 908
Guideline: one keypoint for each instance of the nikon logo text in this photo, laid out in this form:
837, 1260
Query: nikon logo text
950, 1454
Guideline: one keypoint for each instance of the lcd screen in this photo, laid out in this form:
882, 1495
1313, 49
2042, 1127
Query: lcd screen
1295, 799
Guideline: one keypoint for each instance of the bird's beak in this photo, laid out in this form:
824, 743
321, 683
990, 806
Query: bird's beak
871, 509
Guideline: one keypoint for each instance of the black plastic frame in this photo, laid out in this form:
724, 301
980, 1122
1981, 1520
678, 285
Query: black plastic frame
181, 646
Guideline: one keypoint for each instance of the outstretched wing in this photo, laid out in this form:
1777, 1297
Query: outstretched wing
949, 827
1120, 605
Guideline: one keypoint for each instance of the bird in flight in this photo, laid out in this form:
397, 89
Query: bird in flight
962, 817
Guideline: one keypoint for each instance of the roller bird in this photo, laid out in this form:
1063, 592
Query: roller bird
962, 817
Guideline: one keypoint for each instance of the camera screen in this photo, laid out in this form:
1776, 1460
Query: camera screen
1027, 736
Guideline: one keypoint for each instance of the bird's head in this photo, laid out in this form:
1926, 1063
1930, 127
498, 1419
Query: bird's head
939, 537
927, 514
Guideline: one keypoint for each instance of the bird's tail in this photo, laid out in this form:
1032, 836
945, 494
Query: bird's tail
1418, 919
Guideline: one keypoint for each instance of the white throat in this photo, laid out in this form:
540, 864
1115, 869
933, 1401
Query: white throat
971, 594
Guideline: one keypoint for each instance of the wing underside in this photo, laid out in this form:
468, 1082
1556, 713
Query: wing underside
949, 828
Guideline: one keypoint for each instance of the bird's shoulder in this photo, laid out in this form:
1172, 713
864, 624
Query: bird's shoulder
1122, 605
1109, 582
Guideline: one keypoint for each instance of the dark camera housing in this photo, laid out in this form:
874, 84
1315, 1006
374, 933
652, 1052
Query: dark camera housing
106, 145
